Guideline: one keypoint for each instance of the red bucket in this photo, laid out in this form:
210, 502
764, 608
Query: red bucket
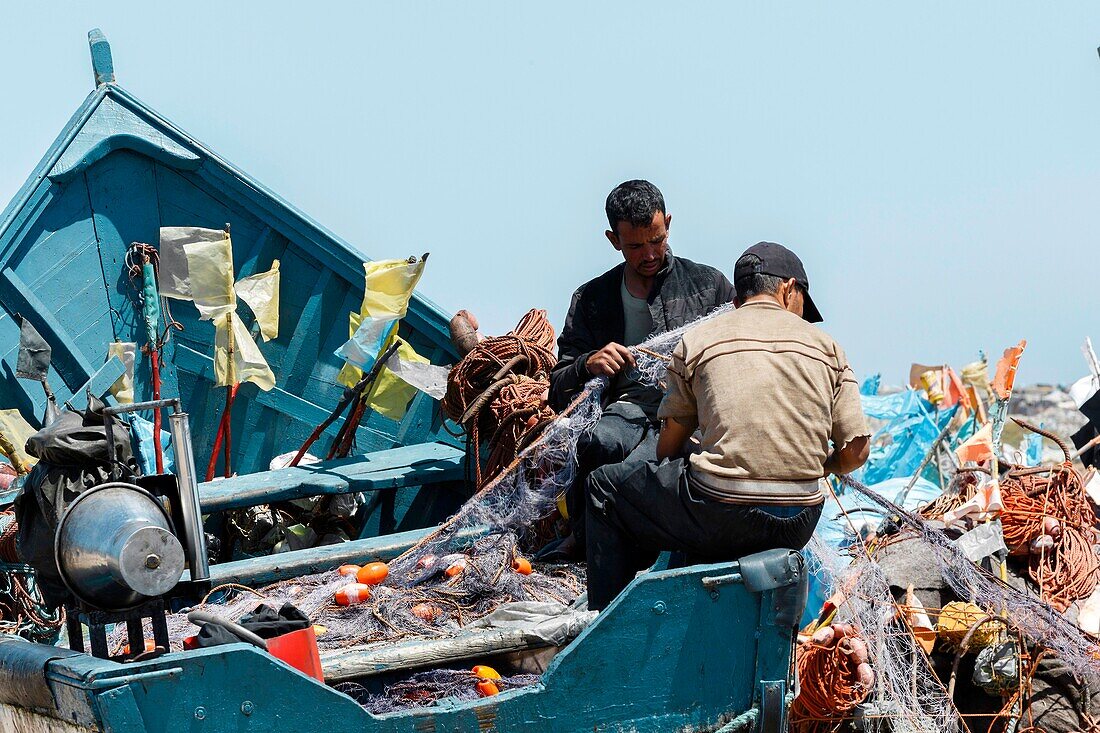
299, 650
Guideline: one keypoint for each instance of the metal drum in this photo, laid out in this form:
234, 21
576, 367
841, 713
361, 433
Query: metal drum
115, 547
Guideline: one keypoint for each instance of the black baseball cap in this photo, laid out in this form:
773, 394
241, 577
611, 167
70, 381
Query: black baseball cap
778, 261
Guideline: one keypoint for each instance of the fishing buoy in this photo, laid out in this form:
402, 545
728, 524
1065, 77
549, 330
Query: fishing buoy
824, 636
348, 570
373, 573
425, 611
426, 561
457, 567
485, 688
485, 672
352, 593
866, 675
521, 565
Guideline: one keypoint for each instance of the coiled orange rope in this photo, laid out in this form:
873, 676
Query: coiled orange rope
1048, 518
833, 678
498, 391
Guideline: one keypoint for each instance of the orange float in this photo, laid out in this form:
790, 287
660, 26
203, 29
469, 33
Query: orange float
521, 565
373, 573
348, 569
352, 593
485, 672
485, 688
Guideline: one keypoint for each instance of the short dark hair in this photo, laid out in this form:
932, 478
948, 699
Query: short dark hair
635, 202
755, 283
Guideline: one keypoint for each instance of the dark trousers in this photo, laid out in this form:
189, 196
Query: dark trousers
636, 510
623, 433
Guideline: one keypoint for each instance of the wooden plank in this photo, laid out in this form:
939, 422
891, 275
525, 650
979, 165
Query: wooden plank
387, 657
406, 466
70, 363
100, 384
259, 571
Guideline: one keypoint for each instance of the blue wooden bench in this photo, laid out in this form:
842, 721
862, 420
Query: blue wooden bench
410, 465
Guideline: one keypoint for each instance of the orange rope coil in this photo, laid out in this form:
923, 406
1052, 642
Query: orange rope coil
1048, 519
834, 676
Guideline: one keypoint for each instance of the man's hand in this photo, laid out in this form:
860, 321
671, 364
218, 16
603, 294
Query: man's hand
850, 457
609, 361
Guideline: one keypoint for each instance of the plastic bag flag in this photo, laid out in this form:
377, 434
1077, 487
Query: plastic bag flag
261, 293
1006, 370
237, 358
123, 388
200, 269
175, 278
954, 392
33, 359
17, 431
391, 394
979, 447
388, 287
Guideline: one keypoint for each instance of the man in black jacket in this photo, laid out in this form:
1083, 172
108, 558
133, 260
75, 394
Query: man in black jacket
651, 292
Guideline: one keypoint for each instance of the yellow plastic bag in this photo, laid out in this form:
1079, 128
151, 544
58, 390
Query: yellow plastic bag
210, 273
17, 430
391, 394
245, 363
123, 388
261, 292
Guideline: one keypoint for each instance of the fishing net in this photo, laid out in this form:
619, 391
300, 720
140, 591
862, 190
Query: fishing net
425, 688
486, 534
905, 693
1038, 620
906, 690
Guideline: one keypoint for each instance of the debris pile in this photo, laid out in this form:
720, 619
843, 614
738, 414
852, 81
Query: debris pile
979, 600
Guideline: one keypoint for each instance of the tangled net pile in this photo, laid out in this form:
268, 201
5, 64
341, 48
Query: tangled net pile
1038, 620
905, 689
489, 528
22, 609
498, 391
424, 688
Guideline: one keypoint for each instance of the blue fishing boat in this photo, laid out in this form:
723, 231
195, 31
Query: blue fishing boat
703, 648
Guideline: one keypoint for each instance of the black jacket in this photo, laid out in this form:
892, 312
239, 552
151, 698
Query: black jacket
683, 291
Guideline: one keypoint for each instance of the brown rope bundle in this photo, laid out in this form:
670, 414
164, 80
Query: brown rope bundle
834, 676
1048, 518
509, 375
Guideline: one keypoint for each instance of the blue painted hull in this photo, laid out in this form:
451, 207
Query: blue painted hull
116, 174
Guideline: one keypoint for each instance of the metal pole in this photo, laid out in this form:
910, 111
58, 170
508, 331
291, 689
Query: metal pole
189, 497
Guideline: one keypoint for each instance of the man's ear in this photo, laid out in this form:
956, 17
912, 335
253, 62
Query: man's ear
614, 239
668, 221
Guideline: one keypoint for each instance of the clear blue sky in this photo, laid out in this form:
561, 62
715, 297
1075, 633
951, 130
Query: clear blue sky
937, 166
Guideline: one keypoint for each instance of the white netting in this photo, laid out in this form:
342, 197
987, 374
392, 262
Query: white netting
906, 693
1036, 619
487, 529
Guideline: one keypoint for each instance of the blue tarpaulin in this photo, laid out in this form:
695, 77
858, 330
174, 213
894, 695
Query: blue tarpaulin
141, 434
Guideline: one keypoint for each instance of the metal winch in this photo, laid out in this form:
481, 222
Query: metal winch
122, 548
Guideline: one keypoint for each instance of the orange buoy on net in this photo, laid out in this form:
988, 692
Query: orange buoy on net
457, 567
373, 573
426, 611
485, 672
352, 593
348, 570
521, 565
486, 688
